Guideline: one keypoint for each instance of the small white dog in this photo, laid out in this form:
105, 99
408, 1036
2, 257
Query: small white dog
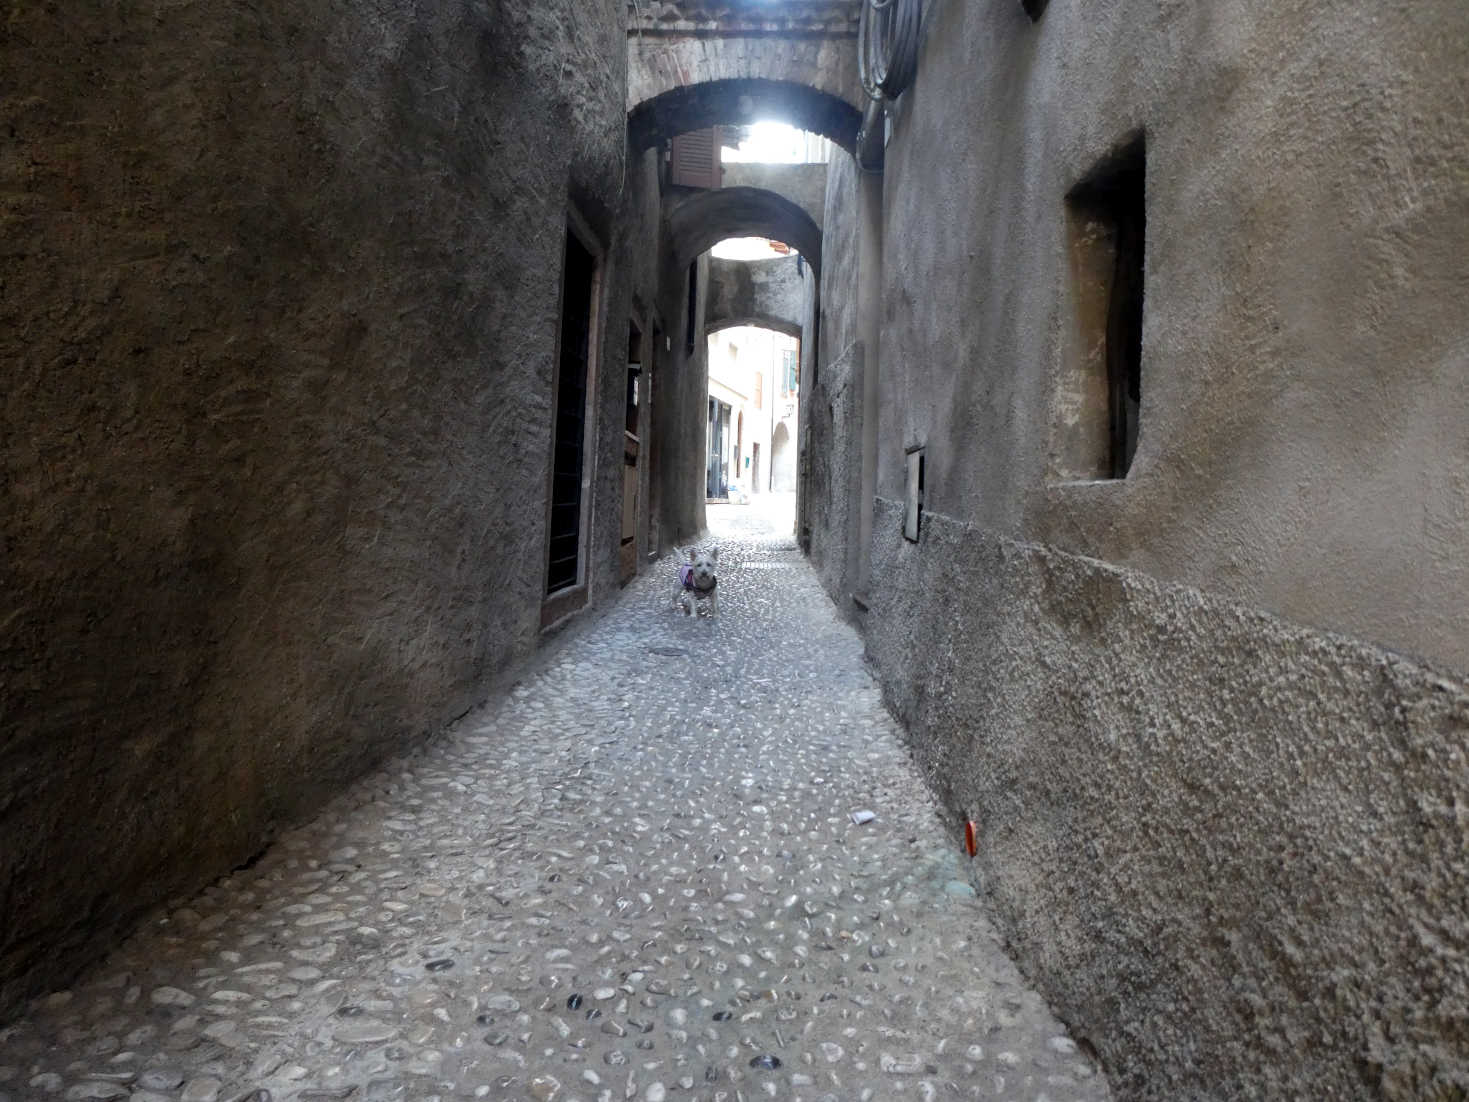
697, 582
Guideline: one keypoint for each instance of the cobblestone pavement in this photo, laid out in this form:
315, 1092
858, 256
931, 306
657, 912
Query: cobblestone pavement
634, 877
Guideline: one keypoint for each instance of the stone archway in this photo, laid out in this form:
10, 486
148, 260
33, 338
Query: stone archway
782, 461
729, 102
698, 63
709, 217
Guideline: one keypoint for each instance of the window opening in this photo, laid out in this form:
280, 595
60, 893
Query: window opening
694, 157
1108, 214
771, 142
789, 372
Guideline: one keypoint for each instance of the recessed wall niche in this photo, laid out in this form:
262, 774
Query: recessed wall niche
913, 498
1099, 391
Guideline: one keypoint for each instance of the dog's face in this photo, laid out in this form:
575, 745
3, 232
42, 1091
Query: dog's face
705, 563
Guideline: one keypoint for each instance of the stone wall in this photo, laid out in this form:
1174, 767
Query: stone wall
1222, 821
792, 17
831, 395
681, 412
678, 45
279, 319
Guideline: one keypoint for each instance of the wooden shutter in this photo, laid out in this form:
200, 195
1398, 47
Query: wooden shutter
696, 159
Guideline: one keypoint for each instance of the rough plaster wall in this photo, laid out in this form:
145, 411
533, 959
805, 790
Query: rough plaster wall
767, 293
680, 414
1306, 350
278, 317
831, 405
1229, 847
631, 267
1231, 850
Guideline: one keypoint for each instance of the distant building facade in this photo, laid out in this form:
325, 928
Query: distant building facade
754, 404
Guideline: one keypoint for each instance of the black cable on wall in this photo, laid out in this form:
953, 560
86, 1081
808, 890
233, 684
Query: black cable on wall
887, 46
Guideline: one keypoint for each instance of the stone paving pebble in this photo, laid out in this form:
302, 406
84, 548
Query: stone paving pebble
635, 877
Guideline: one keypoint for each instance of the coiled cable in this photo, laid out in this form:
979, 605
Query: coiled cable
887, 46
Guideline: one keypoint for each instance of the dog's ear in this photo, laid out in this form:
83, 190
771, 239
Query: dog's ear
714, 555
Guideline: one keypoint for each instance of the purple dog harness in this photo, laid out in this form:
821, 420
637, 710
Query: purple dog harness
686, 579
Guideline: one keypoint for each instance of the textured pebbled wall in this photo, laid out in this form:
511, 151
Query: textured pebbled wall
1231, 850
1223, 815
278, 308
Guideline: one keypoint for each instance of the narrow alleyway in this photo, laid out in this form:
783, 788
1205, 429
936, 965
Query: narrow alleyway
635, 877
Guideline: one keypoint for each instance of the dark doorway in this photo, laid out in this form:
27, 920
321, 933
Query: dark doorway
632, 443
568, 464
